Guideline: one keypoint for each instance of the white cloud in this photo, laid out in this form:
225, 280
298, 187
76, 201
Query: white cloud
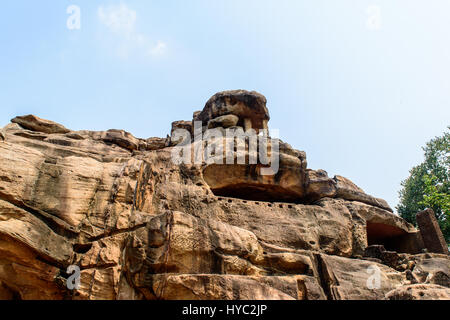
120, 20
159, 49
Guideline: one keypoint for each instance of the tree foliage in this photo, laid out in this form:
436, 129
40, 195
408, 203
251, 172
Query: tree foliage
428, 185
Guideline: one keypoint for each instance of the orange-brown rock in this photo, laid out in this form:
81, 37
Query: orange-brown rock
249, 108
419, 292
34, 123
139, 226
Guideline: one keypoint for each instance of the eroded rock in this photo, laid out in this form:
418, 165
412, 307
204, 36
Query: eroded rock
34, 123
140, 226
121, 138
350, 279
227, 121
419, 292
249, 107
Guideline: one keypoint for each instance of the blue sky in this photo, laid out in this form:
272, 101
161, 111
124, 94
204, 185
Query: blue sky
360, 97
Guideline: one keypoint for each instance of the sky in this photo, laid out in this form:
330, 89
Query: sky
359, 85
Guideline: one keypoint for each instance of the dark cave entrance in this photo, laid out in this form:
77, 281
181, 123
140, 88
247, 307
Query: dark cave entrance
7, 293
391, 237
257, 192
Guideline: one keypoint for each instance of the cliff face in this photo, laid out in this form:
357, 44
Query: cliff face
140, 226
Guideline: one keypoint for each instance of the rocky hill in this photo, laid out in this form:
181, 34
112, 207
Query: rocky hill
139, 225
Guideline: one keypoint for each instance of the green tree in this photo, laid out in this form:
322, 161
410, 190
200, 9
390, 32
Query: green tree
428, 185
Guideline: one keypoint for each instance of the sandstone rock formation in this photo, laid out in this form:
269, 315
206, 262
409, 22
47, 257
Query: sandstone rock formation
140, 226
237, 107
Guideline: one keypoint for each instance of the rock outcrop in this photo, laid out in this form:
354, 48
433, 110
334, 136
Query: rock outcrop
235, 108
139, 226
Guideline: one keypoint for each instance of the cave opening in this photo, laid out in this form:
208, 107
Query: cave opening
8, 293
391, 237
257, 192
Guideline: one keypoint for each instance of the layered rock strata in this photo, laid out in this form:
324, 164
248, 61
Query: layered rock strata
140, 226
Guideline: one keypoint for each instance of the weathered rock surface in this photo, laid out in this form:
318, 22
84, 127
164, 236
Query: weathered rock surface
433, 269
419, 292
249, 107
350, 279
34, 123
319, 185
140, 226
227, 121
432, 236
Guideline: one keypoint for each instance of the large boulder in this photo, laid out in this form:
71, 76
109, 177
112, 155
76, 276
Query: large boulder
248, 106
121, 138
34, 123
319, 185
226, 121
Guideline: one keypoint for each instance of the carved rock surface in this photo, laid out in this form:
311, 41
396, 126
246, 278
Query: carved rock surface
139, 226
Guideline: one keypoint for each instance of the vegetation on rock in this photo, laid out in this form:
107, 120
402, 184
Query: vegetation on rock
428, 185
